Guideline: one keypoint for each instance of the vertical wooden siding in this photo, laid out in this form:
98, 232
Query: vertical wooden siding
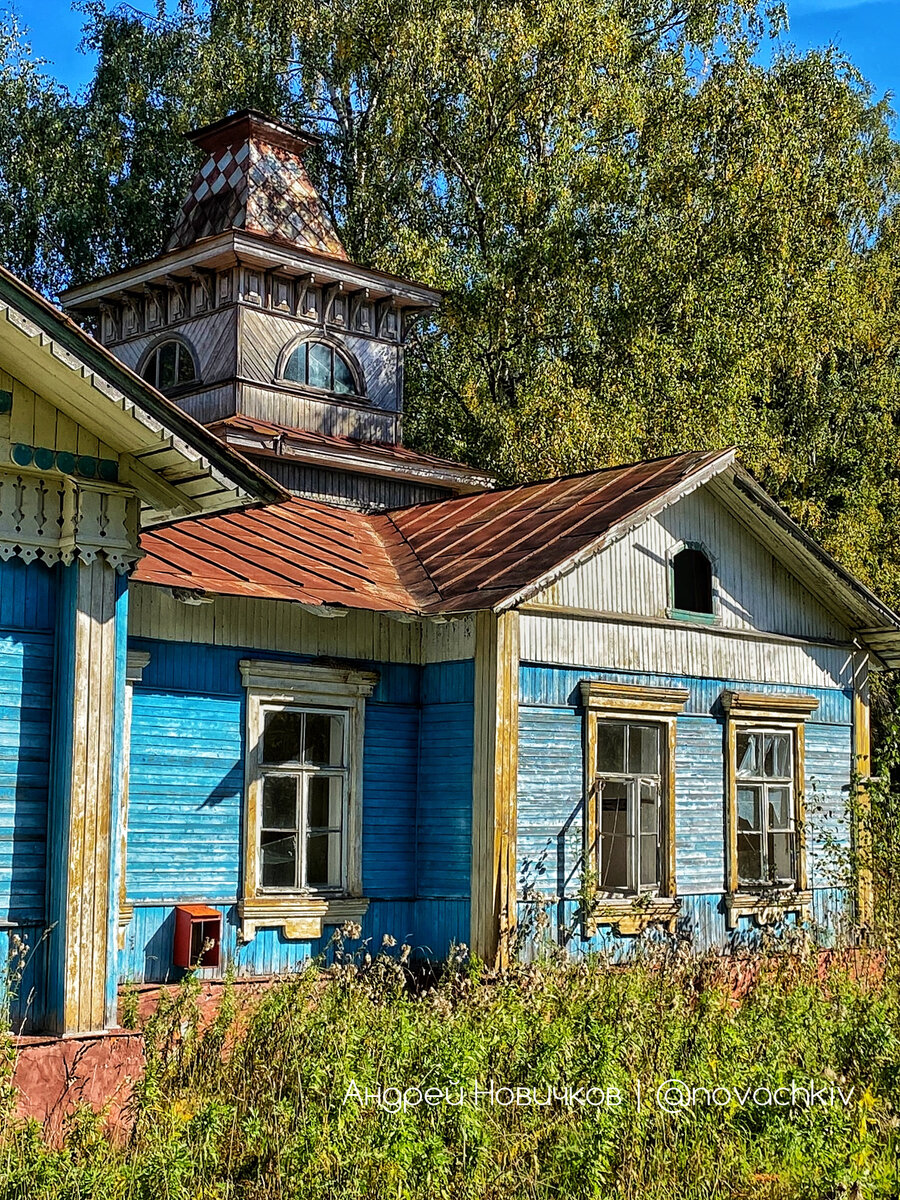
81, 792
494, 792
756, 592
444, 834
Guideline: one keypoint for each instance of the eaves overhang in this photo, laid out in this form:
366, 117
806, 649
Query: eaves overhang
168, 452
246, 247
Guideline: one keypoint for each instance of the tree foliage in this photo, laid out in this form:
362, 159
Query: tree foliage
648, 238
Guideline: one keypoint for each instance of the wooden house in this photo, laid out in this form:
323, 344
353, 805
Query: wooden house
266, 671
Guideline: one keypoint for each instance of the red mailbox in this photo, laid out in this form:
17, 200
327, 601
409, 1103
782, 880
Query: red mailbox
196, 926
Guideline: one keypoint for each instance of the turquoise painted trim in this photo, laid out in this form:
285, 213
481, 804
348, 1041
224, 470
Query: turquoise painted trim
59, 801
684, 614
117, 799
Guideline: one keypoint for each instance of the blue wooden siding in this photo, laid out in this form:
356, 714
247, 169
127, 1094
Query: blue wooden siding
186, 799
185, 795
550, 830
390, 775
446, 744
27, 618
429, 927
699, 805
701, 922
557, 686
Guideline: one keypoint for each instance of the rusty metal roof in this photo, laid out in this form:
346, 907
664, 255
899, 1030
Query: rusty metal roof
484, 549
456, 555
301, 550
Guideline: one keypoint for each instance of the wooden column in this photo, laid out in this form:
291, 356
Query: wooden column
494, 784
83, 787
862, 765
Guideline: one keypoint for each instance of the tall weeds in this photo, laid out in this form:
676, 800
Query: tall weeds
269, 1100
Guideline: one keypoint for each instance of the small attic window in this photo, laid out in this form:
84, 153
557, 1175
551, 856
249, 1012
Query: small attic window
692, 588
321, 365
169, 365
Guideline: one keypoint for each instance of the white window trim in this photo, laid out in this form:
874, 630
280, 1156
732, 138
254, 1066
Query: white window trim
302, 914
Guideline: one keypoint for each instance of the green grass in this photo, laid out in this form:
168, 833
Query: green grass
256, 1103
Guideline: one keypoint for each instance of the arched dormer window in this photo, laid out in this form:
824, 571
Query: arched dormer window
319, 364
169, 365
693, 590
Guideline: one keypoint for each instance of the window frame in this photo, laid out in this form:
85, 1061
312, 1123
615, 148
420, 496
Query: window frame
777, 713
631, 911
153, 351
632, 782
684, 614
277, 686
302, 773
358, 395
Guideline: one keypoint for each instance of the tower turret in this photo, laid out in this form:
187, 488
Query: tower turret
254, 321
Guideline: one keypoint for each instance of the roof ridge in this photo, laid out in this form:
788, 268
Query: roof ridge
389, 551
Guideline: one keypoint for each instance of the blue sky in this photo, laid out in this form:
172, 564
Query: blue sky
867, 30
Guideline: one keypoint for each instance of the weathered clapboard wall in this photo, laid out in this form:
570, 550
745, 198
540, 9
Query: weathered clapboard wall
282, 626
756, 592
264, 336
186, 783
345, 487
550, 818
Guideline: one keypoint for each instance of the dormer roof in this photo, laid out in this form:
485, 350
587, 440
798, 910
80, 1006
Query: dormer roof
254, 179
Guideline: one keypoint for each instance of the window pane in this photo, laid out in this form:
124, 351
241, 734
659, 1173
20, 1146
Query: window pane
649, 861
323, 860
749, 847
778, 756
279, 802
150, 368
781, 857
185, 365
323, 746
610, 748
643, 749
614, 836
319, 366
279, 860
281, 739
167, 375
343, 377
649, 808
748, 809
324, 802
295, 369
779, 800
748, 754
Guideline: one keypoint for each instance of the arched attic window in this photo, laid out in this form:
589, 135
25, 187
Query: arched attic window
693, 590
169, 365
321, 365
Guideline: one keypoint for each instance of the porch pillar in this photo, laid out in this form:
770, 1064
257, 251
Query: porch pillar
84, 785
494, 785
